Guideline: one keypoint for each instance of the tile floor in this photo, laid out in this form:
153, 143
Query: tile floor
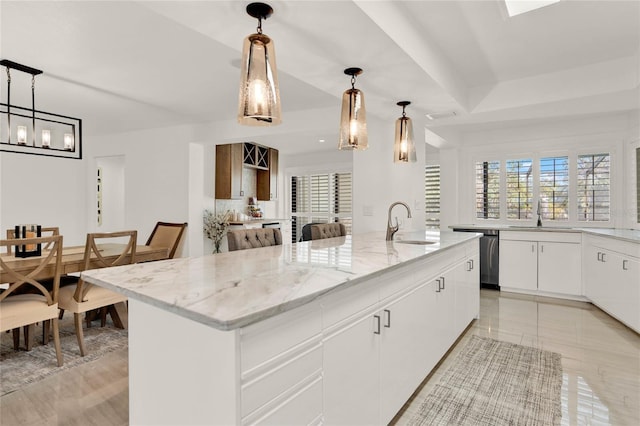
600, 359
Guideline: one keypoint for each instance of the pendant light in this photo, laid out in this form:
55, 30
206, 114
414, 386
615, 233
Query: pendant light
404, 149
353, 120
259, 98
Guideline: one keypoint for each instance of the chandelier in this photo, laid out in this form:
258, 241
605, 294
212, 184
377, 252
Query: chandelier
30, 131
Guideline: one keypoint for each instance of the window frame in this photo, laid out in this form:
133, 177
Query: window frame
572, 153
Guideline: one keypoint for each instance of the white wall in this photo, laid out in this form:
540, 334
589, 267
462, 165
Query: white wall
157, 176
44, 190
378, 181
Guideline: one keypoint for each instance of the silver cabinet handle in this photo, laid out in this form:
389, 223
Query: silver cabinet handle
377, 317
624, 265
602, 258
599, 256
388, 324
439, 288
542, 249
442, 278
533, 248
471, 263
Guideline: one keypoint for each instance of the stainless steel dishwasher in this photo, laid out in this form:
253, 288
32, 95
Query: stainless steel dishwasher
489, 256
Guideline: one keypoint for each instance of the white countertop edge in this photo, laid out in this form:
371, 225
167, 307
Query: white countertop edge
630, 235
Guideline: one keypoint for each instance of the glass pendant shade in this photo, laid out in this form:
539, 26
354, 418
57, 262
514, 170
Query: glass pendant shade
404, 149
259, 98
353, 119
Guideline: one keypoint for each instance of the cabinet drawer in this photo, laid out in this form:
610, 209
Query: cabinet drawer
560, 237
266, 342
623, 247
257, 391
301, 408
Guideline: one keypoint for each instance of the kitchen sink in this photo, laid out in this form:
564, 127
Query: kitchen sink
415, 242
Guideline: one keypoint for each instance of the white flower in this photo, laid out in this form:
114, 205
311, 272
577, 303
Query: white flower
215, 226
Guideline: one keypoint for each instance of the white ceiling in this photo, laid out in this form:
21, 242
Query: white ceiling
124, 65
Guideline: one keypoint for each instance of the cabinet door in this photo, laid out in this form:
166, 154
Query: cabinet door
404, 351
467, 293
444, 325
519, 264
350, 378
559, 267
229, 171
595, 277
267, 180
624, 288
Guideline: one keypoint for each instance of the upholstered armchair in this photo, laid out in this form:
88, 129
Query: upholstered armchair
241, 239
328, 230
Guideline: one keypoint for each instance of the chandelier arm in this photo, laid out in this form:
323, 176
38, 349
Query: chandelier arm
9, 104
33, 110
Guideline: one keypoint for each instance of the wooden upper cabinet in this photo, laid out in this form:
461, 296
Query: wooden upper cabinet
268, 179
229, 163
230, 160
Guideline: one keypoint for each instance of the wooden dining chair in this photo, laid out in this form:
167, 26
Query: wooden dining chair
44, 232
167, 234
83, 297
37, 304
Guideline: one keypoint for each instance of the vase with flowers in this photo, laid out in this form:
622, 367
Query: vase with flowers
215, 227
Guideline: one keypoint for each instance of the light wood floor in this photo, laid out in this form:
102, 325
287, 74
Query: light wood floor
600, 359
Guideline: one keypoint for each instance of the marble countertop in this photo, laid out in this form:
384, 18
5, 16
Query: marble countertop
632, 235
232, 290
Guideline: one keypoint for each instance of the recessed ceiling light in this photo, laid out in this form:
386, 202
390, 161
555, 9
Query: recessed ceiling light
517, 7
321, 140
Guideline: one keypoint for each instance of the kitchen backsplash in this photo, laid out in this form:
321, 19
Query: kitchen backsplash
249, 187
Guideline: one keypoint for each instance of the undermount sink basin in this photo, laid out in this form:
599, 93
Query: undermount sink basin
416, 242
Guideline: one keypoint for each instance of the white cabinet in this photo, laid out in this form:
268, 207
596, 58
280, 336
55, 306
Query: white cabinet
350, 380
374, 359
519, 264
559, 267
613, 278
548, 262
401, 322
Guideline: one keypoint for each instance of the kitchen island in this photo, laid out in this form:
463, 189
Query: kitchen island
335, 331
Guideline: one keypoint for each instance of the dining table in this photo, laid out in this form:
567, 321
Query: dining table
73, 259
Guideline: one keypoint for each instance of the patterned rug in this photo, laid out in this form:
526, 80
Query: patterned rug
20, 368
496, 383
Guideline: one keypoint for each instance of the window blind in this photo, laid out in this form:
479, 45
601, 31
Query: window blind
554, 188
432, 196
320, 198
593, 187
519, 189
488, 189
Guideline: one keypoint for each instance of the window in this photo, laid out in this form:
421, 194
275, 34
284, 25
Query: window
593, 190
320, 198
432, 196
519, 189
488, 190
554, 188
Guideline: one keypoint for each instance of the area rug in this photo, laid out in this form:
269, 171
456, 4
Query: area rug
496, 383
21, 368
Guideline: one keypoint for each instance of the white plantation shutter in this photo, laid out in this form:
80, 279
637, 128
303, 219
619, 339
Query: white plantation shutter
432, 196
323, 198
593, 188
519, 189
488, 190
554, 188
